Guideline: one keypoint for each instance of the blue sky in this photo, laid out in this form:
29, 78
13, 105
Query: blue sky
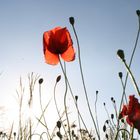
103, 27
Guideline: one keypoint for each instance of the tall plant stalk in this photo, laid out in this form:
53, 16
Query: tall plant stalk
82, 76
65, 97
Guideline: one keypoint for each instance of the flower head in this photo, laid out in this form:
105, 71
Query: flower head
132, 112
57, 42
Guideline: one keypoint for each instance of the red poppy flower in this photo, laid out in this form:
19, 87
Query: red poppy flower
132, 112
57, 42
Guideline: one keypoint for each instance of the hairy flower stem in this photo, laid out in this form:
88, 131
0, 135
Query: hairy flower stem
48, 134
132, 133
74, 99
132, 77
129, 66
78, 118
121, 103
65, 98
116, 137
132, 55
57, 108
96, 117
84, 86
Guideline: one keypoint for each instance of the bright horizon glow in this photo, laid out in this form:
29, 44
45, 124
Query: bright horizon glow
102, 28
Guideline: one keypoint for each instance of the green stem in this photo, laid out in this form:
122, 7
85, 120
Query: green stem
84, 86
78, 119
118, 121
132, 55
116, 137
43, 112
65, 99
57, 108
96, 111
132, 77
75, 101
132, 133
130, 63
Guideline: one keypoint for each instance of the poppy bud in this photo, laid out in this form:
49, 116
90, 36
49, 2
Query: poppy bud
72, 133
107, 121
104, 128
40, 81
58, 78
120, 116
112, 99
122, 120
120, 75
76, 98
14, 134
97, 92
112, 116
59, 124
59, 135
138, 12
106, 136
120, 53
71, 20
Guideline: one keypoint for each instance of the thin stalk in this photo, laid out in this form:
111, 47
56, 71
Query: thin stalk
83, 82
40, 99
42, 115
65, 99
132, 77
132, 56
78, 119
74, 100
132, 133
109, 119
95, 104
116, 137
75, 104
123, 86
57, 108
128, 67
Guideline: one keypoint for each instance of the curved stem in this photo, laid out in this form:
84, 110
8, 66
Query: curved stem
57, 108
132, 133
128, 68
83, 81
74, 99
65, 99
118, 122
96, 111
119, 131
78, 119
40, 99
132, 77
132, 55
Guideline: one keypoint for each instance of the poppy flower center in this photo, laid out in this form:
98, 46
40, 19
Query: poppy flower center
57, 47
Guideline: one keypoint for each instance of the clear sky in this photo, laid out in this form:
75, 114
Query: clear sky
103, 27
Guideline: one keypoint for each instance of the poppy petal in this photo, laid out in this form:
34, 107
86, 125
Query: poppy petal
69, 54
51, 58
